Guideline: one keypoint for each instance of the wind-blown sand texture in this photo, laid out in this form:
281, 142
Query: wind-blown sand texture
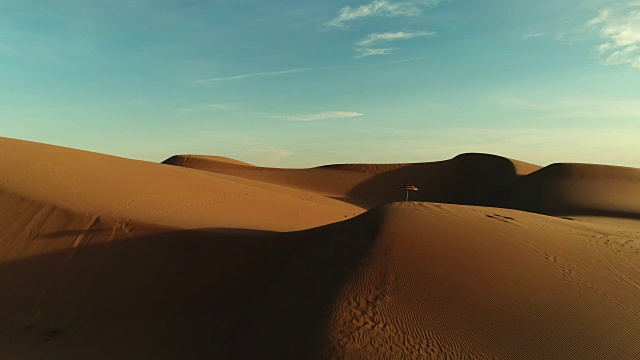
104, 257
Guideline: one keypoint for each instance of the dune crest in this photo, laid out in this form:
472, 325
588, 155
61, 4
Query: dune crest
199, 161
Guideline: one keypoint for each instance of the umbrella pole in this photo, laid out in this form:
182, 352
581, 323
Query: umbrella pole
406, 199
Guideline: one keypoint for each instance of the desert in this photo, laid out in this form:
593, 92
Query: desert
203, 257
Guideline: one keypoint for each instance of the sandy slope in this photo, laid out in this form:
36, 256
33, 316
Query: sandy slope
103, 257
484, 283
437, 281
118, 188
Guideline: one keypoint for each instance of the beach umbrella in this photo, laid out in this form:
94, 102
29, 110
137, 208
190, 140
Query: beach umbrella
407, 188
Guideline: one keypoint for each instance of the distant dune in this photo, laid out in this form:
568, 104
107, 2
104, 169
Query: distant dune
579, 189
212, 258
465, 179
468, 179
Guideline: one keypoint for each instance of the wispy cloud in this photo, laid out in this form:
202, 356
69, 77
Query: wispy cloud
364, 46
319, 116
372, 52
381, 8
258, 74
377, 38
620, 27
532, 35
409, 60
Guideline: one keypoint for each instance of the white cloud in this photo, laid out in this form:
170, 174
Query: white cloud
409, 60
258, 74
371, 52
385, 8
628, 55
620, 27
320, 116
376, 38
532, 35
603, 48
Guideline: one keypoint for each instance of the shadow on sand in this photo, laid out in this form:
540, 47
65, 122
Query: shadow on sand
201, 294
477, 179
468, 179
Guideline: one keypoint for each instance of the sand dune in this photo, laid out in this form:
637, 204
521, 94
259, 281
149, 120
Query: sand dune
468, 179
103, 257
118, 188
579, 189
425, 280
465, 179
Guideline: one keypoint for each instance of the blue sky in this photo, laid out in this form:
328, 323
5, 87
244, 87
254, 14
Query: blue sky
297, 84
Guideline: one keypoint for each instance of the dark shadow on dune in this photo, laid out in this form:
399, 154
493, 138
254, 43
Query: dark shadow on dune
290, 321
468, 179
479, 179
543, 191
201, 294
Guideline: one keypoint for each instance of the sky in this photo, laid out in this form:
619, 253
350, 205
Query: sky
298, 84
